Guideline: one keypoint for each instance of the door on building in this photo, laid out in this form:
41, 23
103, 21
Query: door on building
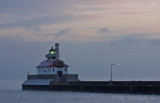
59, 73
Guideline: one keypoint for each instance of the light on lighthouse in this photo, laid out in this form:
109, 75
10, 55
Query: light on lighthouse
52, 52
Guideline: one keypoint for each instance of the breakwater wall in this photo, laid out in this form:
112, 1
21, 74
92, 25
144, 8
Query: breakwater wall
131, 87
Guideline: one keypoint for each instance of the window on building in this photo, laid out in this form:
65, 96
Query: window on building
53, 69
65, 69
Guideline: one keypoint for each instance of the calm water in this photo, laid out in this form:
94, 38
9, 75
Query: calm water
18, 96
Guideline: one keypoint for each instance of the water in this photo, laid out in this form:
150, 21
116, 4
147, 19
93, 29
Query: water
18, 96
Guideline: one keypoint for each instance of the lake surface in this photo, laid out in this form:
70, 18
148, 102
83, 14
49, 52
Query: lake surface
19, 96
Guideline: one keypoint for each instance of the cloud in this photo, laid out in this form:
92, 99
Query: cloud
40, 17
40, 21
58, 34
31, 7
103, 30
62, 32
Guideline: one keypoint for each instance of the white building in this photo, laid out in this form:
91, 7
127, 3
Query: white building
53, 65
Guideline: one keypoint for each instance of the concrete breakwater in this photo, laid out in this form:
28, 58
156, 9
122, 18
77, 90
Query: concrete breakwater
131, 87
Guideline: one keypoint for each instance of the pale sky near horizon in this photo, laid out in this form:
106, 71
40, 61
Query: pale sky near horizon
92, 34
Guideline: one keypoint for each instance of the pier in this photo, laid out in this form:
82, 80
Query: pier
131, 87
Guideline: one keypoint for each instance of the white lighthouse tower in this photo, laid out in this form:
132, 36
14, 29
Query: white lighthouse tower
52, 65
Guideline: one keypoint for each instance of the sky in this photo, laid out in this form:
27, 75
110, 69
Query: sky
93, 34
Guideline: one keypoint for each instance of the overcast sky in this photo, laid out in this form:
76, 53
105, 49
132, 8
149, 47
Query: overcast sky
93, 34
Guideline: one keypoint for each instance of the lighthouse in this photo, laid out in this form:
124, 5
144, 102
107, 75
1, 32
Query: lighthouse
52, 65
50, 71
